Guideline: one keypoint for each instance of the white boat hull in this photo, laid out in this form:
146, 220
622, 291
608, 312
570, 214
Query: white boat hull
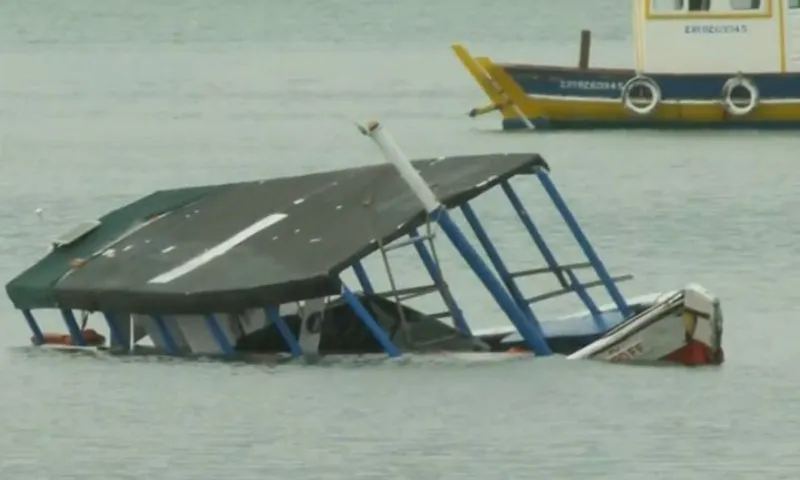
685, 327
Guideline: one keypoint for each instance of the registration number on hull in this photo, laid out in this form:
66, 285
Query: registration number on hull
626, 354
590, 85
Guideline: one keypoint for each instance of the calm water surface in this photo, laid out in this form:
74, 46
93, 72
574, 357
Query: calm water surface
101, 102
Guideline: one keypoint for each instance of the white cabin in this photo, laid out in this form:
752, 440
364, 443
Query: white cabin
717, 36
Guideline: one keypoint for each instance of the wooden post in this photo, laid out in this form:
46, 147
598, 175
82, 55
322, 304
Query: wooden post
586, 47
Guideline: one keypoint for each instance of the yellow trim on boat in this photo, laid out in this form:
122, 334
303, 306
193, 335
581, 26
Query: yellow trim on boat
502, 90
599, 111
478, 73
782, 33
744, 15
689, 322
638, 35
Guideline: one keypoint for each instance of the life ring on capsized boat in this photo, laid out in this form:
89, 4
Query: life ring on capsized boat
90, 336
634, 105
733, 106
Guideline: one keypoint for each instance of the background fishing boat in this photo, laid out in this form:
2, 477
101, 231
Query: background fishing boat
698, 64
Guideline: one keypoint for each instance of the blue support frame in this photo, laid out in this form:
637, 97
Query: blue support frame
363, 278
569, 219
116, 336
72, 326
38, 336
538, 238
548, 255
274, 315
369, 322
166, 335
587, 300
497, 262
219, 335
436, 275
530, 333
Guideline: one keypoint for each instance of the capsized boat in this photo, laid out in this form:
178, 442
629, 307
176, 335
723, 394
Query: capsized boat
260, 267
698, 64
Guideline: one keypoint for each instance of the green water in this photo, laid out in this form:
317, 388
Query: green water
101, 102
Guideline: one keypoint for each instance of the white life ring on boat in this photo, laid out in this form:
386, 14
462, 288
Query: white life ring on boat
733, 106
634, 105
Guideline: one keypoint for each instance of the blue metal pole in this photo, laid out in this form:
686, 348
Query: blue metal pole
369, 322
166, 335
273, 315
587, 300
436, 275
537, 237
428, 199
548, 255
363, 278
38, 336
530, 334
72, 326
569, 219
113, 329
499, 266
219, 335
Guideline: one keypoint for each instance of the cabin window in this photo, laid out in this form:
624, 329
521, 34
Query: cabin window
668, 5
699, 5
745, 4
713, 7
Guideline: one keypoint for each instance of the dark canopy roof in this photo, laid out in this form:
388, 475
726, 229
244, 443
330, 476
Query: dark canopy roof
236, 246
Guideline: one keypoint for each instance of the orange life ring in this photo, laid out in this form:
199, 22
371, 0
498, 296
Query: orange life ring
90, 336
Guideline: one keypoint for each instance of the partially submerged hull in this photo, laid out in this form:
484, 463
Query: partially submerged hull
685, 327
551, 97
417, 332
568, 334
